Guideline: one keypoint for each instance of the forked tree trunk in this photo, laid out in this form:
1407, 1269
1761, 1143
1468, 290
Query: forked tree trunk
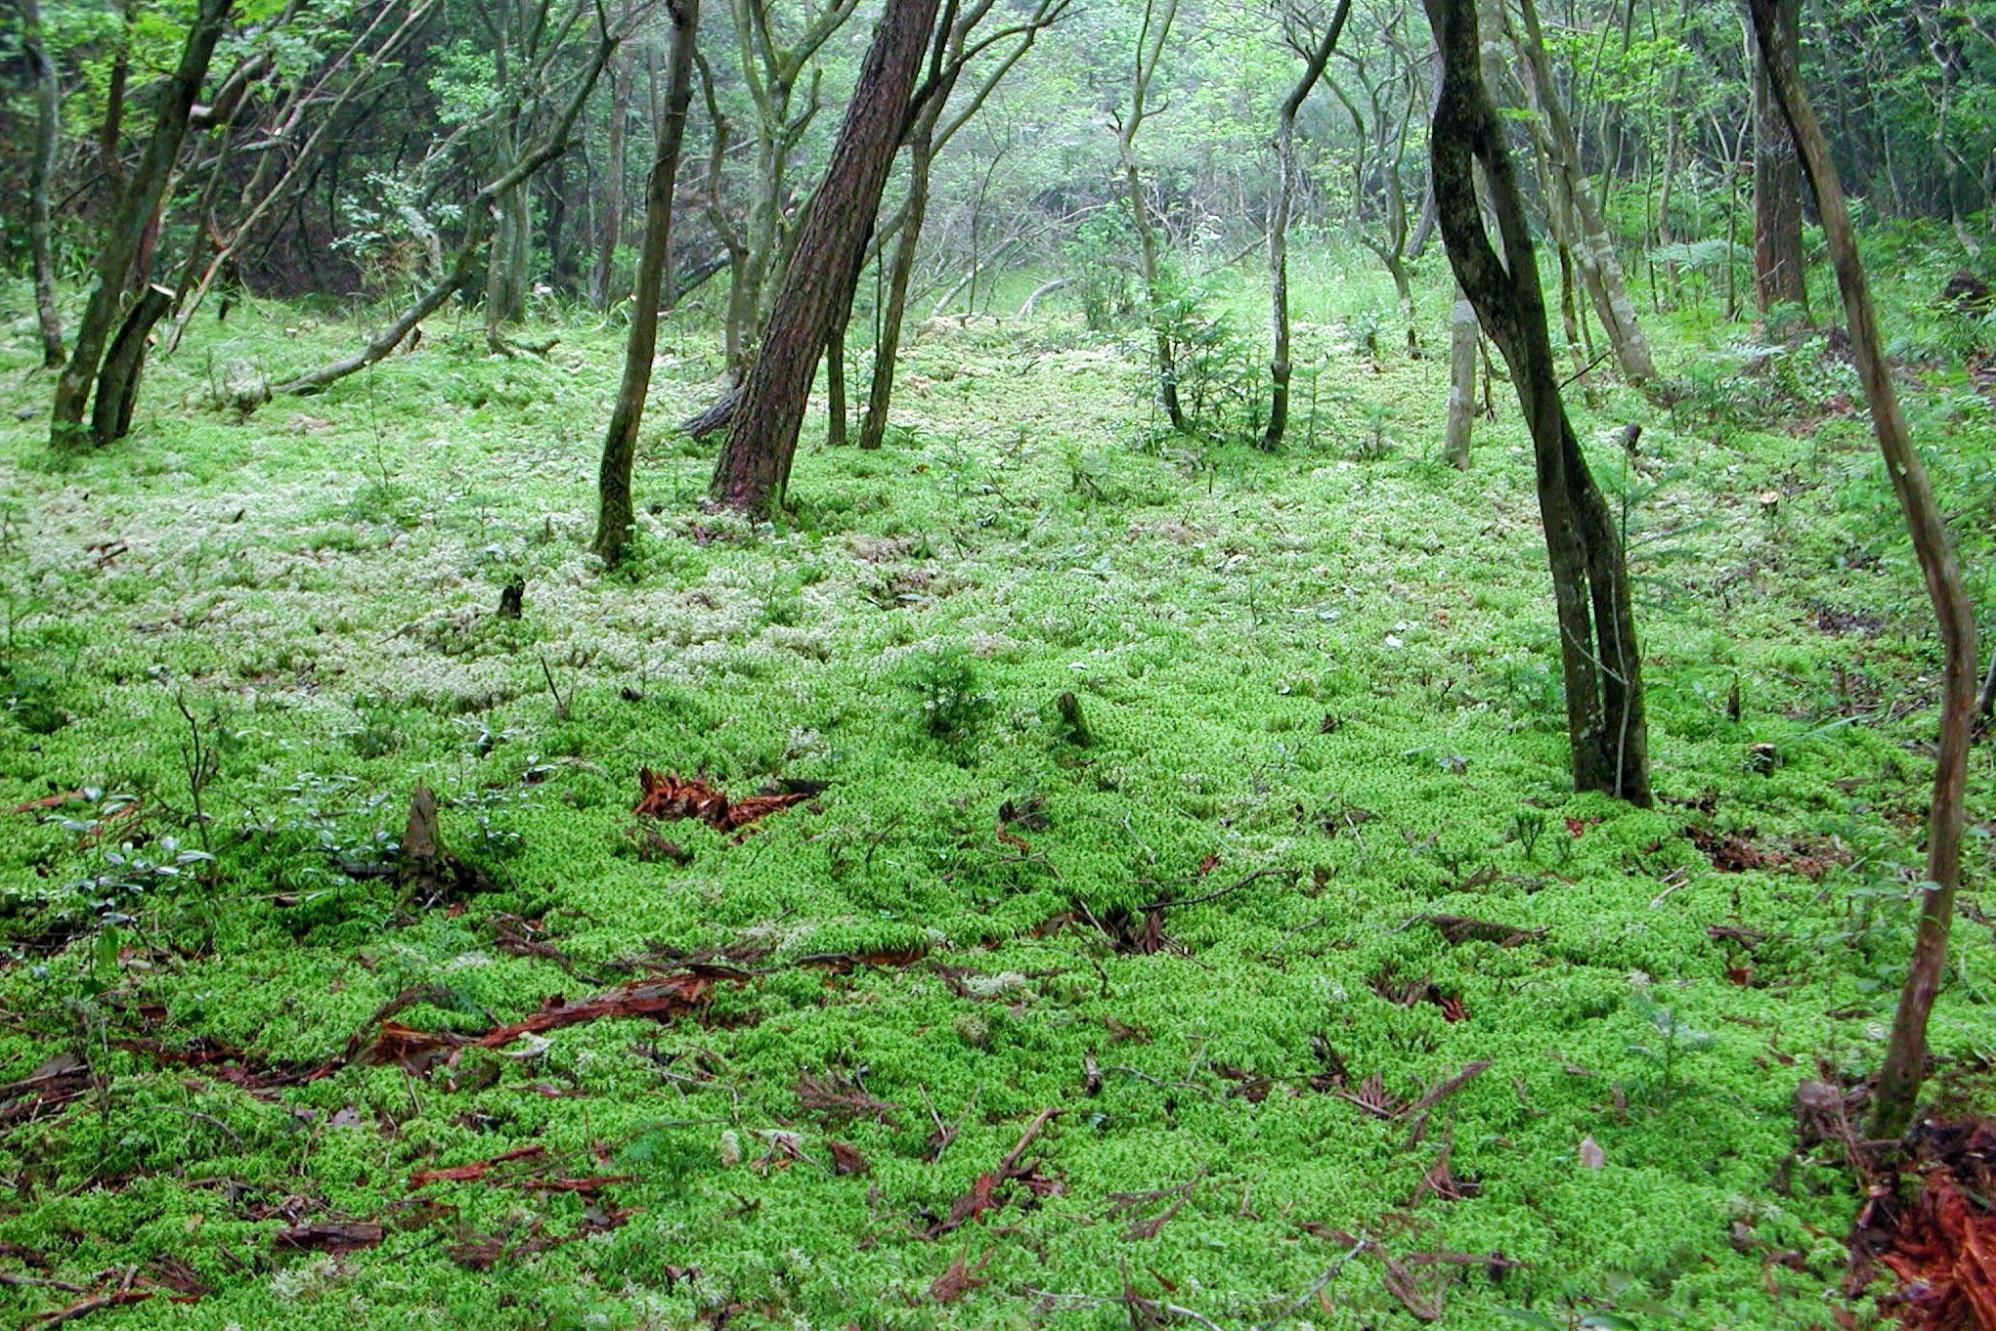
1600, 658
616, 518
754, 467
138, 207
1779, 275
1279, 367
1905, 1063
1461, 382
48, 124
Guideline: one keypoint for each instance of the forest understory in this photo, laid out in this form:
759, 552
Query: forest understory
1063, 872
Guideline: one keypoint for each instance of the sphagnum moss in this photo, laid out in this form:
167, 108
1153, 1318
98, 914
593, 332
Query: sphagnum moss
1325, 662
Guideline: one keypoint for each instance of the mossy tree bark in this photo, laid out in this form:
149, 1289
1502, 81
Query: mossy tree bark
1904, 1068
1600, 658
754, 466
138, 206
616, 517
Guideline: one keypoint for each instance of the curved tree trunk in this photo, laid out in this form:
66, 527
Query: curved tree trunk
1278, 229
1600, 657
616, 517
754, 467
1150, 48
1593, 248
1904, 1068
138, 209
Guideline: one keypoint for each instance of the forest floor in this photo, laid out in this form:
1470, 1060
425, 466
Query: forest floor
1302, 993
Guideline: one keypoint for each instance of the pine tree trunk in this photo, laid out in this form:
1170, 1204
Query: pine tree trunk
754, 467
1600, 657
1904, 1069
1779, 275
616, 517
138, 208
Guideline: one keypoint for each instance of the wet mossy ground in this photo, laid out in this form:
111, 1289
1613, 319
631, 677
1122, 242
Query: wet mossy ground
1322, 697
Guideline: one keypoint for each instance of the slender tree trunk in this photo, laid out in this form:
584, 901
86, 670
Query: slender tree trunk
138, 207
616, 517
1601, 660
1279, 367
1779, 276
754, 467
479, 222
1462, 340
48, 125
1150, 48
886, 350
118, 383
1593, 248
613, 188
1904, 1069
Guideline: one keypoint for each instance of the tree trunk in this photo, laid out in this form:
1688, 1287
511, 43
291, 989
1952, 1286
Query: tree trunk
1601, 660
754, 467
1904, 1068
613, 188
479, 222
48, 125
1779, 275
118, 383
1278, 229
616, 517
1593, 248
887, 348
138, 207
1150, 47
1461, 382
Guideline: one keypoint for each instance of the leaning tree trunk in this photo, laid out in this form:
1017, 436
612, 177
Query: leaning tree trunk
1906, 1051
479, 222
1593, 248
138, 205
1779, 275
887, 347
616, 517
754, 467
1462, 341
1278, 229
1601, 660
48, 124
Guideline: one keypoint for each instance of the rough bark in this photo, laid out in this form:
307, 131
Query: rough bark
754, 467
1904, 1068
1600, 658
1779, 275
1278, 228
616, 517
48, 124
138, 208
